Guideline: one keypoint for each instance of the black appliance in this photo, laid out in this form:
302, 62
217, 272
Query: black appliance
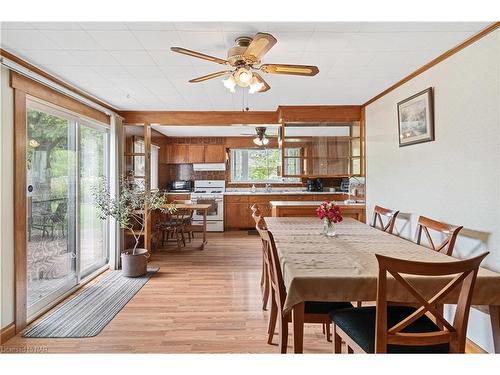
314, 184
181, 186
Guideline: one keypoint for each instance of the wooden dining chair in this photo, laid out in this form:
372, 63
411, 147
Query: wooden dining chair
314, 312
187, 218
450, 232
389, 215
387, 328
264, 277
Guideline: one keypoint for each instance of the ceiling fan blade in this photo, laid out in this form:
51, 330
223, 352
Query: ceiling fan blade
209, 76
198, 55
261, 80
260, 45
298, 70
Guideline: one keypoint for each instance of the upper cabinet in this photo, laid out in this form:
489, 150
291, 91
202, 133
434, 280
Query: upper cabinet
321, 150
215, 154
195, 153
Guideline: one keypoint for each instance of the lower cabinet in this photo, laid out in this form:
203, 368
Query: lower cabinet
238, 215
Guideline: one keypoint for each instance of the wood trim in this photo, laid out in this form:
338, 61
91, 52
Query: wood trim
20, 82
7, 333
362, 140
437, 60
20, 134
319, 113
44, 74
472, 348
199, 117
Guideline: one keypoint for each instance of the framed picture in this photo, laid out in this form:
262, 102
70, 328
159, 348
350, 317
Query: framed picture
416, 119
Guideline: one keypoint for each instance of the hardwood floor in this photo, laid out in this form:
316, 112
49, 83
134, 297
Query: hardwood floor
199, 302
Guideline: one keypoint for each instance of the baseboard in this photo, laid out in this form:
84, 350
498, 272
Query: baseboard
7, 333
472, 348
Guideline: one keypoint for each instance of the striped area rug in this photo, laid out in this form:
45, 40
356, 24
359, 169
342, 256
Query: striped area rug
89, 312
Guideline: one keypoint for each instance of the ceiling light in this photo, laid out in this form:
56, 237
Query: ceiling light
229, 83
255, 86
261, 141
243, 77
34, 143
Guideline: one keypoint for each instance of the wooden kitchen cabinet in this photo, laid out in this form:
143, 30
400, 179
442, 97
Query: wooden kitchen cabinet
177, 153
175, 197
196, 154
215, 154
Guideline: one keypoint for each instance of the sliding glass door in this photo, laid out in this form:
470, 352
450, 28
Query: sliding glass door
66, 241
93, 162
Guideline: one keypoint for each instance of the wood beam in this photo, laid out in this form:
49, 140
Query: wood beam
199, 117
319, 113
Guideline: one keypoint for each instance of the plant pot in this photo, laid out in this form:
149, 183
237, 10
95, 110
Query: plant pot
134, 265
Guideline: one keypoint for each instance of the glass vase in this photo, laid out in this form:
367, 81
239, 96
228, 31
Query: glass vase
328, 228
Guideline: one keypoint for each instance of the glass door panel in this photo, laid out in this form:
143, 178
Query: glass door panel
51, 189
93, 163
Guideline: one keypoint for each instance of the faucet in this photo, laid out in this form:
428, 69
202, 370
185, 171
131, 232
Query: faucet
268, 188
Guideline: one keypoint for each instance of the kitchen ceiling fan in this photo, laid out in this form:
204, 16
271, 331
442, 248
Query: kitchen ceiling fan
244, 61
262, 139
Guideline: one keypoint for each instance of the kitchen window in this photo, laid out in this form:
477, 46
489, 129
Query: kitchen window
263, 165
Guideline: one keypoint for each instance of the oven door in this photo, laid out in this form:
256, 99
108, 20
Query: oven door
215, 212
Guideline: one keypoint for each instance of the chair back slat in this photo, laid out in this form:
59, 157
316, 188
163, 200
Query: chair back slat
464, 274
275, 273
450, 232
390, 215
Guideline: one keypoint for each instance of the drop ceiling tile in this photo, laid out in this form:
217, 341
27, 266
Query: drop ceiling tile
132, 58
48, 57
72, 39
94, 58
116, 40
198, 26
202, 41
338, 27
26, 39
103, 26
146, 72
165, 57
112, 72
290, 26
150, 26
158, 40
328, 41
180, 74
56, 25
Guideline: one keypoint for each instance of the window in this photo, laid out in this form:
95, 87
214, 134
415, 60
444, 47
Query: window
262, 165
139, 166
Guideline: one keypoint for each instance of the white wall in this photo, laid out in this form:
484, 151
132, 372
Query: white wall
6, 200
456, 178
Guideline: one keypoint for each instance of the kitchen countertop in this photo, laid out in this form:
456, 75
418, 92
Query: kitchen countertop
291, 192
310, 203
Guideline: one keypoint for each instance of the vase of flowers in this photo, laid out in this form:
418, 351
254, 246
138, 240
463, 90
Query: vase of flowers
330, 214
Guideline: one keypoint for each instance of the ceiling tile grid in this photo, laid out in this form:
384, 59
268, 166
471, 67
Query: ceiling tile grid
130, 65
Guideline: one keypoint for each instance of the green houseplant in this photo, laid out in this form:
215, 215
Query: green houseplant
131, 209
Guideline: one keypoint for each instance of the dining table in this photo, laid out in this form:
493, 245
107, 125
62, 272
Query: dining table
197, 228
316, 267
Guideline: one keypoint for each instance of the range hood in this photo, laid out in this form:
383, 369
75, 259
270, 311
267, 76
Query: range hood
209, 167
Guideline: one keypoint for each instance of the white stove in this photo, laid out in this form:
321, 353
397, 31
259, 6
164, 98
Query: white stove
210, 192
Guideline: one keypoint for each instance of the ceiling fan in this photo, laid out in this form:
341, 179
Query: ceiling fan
244, 59
262, 139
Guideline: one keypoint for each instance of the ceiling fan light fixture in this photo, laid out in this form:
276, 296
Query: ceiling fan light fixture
230, 83
243, 77
255, 86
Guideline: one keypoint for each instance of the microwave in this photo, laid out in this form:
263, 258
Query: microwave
181, 185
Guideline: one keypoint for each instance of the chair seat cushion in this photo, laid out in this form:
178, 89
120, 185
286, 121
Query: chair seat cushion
313, 307
359, 324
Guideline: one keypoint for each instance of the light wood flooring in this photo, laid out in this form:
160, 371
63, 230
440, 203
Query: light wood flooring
199, 302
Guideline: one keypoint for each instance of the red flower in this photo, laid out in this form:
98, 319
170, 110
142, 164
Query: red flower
329, 211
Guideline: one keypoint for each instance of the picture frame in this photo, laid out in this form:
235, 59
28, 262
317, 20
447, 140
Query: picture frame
416, 118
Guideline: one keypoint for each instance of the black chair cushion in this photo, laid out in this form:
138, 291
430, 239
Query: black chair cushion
359, 324
312, 307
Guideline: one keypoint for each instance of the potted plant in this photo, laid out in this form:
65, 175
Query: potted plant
330, 214
131, 209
